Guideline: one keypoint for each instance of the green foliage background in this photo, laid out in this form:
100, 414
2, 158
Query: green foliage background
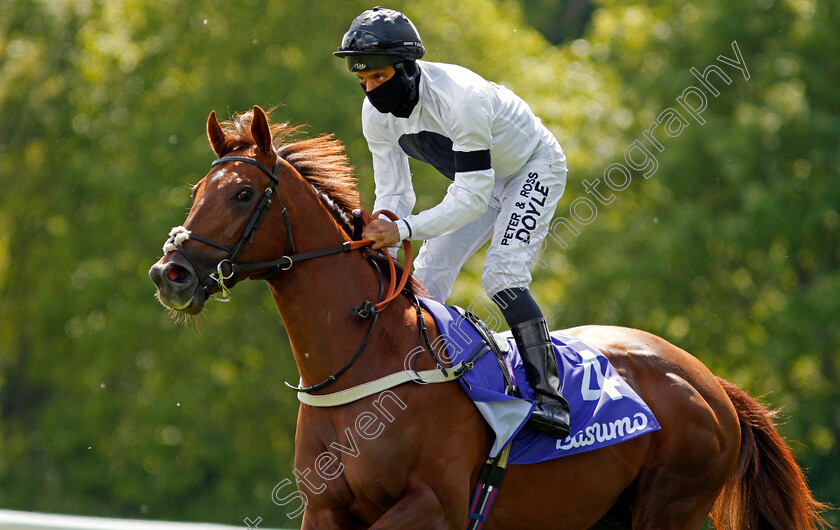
107, 407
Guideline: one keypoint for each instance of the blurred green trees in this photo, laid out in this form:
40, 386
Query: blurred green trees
732, 248
107, 407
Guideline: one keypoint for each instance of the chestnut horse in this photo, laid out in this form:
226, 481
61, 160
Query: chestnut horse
717, 451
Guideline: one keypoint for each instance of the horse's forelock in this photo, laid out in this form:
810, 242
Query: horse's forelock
321, 161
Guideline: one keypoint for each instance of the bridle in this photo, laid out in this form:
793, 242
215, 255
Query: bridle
227, 268
226, 280
225, 274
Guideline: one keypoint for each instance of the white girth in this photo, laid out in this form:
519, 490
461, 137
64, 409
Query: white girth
373, 387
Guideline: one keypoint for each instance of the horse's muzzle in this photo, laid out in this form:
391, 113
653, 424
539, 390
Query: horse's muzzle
178, 286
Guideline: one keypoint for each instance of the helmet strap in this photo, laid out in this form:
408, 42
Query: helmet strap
409, 73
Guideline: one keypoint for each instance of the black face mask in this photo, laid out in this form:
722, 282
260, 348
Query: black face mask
394, 96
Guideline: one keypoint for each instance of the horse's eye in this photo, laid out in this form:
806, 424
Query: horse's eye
245, 195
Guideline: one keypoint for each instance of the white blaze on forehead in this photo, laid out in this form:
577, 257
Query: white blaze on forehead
218, 175
177, 236
224, 177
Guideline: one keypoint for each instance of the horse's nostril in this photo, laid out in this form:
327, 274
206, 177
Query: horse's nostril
177, 274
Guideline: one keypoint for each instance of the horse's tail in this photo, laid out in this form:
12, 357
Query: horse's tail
767, 488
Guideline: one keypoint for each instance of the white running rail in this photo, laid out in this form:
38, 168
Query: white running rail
15, 520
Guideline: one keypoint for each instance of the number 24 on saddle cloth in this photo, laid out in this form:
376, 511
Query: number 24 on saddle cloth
605, 410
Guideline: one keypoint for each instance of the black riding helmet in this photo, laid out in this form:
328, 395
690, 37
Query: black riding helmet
380, 37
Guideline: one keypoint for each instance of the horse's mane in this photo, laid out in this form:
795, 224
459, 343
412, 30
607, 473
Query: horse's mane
323, 163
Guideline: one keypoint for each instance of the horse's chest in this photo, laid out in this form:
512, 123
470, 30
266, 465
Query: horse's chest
359, 468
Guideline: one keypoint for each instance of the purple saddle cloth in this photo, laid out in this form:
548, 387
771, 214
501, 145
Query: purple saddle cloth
605, 410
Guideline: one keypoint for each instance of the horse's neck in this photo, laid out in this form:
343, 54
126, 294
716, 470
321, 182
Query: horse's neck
316, 298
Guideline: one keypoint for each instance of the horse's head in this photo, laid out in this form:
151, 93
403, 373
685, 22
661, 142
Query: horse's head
219, 243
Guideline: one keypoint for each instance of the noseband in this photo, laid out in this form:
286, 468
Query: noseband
218, 278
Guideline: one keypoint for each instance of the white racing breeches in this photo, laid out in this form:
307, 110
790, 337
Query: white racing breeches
517, 218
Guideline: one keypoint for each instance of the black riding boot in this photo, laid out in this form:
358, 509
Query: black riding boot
551, 415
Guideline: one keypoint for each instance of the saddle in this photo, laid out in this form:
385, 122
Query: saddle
495, 343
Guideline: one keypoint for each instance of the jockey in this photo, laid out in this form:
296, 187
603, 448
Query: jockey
507, 172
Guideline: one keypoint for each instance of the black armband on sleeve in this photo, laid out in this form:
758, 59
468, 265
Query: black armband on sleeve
472, 160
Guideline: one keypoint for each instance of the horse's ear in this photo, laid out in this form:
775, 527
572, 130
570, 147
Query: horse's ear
218, 141
260, 130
